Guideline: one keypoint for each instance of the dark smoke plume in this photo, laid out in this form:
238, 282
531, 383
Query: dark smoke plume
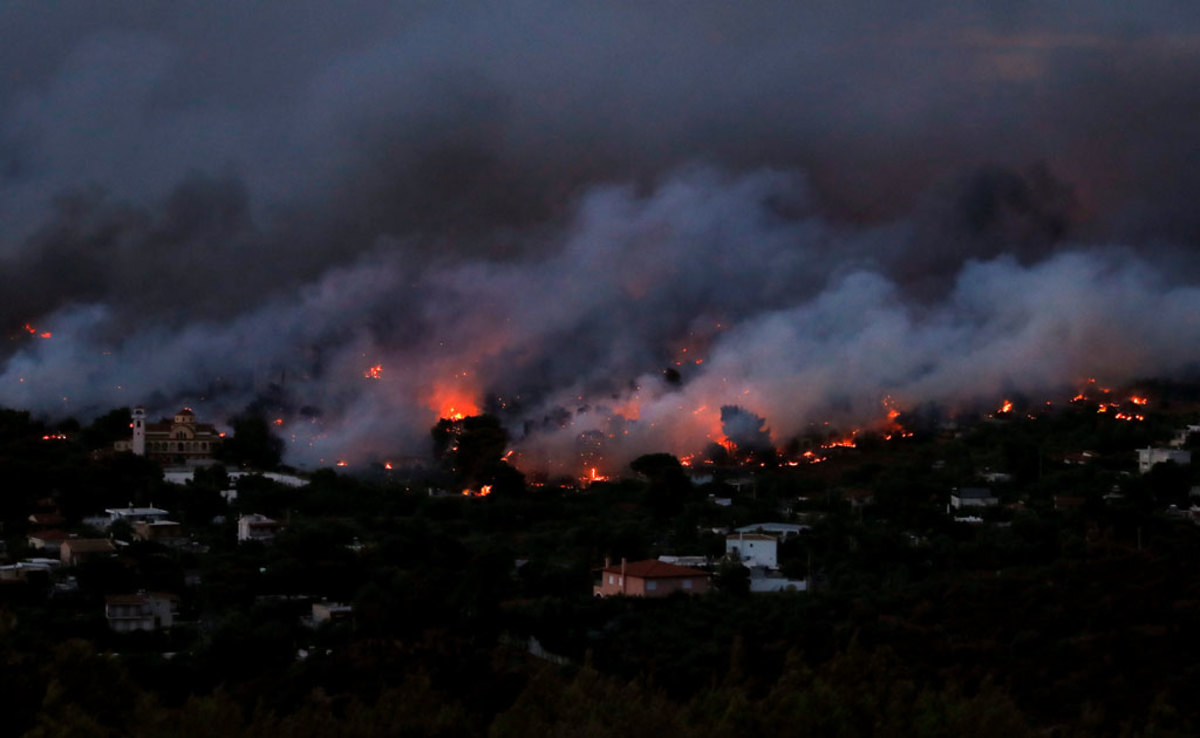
361, 216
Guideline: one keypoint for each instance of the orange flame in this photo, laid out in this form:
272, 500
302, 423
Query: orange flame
452, 402
34, 331
1006, 407
1138, 400
375, 372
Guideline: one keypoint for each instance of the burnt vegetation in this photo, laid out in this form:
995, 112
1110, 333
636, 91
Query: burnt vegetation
1068, 608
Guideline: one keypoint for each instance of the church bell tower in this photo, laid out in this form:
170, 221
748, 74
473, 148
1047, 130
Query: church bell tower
139, 431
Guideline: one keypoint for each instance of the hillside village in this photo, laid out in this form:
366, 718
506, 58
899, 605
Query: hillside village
1021, 570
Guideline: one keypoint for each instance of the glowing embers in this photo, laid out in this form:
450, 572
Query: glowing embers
483, 491
34, 332
844, 442
1106, 405
374, 372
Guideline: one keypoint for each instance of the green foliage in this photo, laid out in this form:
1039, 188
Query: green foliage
253, 444
732, 577
669, 489
107, 429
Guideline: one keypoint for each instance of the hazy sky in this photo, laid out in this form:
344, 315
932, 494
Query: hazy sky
535, 207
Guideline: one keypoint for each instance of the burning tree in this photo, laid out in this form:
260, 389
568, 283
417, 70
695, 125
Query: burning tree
472, 449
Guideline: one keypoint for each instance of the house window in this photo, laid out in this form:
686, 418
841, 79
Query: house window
687, 583
651, 586
612, 579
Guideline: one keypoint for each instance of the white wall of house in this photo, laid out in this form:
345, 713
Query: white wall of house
1148, 457
754, 549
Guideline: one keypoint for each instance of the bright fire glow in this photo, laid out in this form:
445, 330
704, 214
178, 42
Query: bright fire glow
375, 372
1138, 400
452, 402
1006, 407
342, 463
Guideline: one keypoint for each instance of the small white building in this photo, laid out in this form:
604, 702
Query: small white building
255, 527
754, 549
972, 497
324, 612
141, 611
777, 584
133, 514
1148, 457
779, 530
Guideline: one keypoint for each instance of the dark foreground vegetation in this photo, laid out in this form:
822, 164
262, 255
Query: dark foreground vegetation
1072, 608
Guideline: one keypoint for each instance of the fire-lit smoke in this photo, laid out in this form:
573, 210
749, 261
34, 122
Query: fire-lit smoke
359, 221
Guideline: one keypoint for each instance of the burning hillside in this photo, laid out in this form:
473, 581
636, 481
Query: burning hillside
751, 222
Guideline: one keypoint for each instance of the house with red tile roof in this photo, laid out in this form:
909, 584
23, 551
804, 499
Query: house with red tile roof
649, 578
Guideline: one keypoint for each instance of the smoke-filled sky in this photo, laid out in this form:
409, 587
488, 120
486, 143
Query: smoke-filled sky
535, 208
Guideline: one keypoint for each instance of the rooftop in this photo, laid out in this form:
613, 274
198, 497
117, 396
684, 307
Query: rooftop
655, 569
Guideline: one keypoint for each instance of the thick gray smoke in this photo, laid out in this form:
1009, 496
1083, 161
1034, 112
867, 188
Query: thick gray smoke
610, 218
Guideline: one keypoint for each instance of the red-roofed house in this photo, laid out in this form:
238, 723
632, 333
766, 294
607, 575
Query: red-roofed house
649, 578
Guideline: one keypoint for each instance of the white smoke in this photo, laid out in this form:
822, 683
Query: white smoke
781, 316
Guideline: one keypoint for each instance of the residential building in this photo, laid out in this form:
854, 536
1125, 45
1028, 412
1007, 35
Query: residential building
255, 527
134, 515
780, 530
754, 549
77, 550
972, 497
49, 541
141, 611
649, 578
1148, 457
166, 532
324, 612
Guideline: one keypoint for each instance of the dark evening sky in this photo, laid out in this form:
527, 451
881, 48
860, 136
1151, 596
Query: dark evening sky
536, 207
